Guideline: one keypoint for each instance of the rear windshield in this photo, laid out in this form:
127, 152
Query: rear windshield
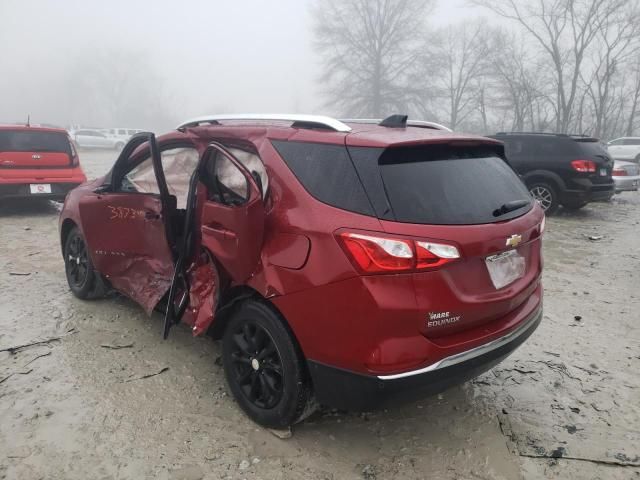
435, 184
35, 141
445, 185
592, 148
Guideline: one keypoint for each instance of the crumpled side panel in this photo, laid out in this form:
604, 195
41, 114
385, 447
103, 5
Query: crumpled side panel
203, 294
144, 279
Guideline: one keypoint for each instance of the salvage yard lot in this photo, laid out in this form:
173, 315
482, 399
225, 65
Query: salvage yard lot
108, 398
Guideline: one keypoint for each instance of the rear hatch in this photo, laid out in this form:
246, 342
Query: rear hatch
465, 195
34, 149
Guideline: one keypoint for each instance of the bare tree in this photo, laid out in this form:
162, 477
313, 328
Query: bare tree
451, 73
518, 91
367, 48
635, 99
117, 87
564, 29
617, 40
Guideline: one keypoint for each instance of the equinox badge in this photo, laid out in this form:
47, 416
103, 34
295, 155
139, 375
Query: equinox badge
514, 241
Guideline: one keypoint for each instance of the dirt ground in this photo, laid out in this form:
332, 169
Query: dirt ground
565, 405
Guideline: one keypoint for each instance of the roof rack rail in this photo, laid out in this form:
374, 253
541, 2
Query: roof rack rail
570, 135
299, 121
410, 123
533, 133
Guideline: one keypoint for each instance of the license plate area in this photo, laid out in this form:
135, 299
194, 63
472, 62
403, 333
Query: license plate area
38, 188
505, 268
603, 172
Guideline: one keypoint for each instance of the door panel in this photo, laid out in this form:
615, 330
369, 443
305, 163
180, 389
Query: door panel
126, 237
232, 230
128, 234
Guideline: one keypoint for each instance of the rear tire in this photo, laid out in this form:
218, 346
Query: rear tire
264, 367
84, 282
545, 195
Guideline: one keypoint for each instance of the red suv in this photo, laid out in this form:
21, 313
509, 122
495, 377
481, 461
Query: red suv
37, 162
340, 263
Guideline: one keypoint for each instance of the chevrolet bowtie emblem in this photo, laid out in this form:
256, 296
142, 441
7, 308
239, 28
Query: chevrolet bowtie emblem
514, 240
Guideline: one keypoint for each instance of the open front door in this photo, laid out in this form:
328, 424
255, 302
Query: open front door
231, 221
125, 229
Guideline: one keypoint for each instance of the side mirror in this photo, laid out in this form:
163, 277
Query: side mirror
104, 188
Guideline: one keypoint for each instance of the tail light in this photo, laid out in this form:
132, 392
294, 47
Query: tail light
619, 172
585, 166
373, 254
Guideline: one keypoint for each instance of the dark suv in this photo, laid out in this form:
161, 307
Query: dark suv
558, 169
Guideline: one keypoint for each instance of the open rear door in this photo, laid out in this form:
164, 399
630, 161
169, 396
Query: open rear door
231, 220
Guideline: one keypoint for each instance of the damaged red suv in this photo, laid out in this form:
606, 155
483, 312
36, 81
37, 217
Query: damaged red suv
341, 263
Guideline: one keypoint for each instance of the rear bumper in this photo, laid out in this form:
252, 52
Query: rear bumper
353, 391
591, 193
626, 184
22, 190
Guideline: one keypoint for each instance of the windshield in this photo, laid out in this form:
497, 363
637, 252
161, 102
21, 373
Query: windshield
451, 186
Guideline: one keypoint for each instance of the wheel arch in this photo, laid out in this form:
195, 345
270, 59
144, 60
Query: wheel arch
65, 229
544, 176
232, 299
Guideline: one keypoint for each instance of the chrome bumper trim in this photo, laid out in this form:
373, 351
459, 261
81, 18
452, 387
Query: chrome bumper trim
469, 354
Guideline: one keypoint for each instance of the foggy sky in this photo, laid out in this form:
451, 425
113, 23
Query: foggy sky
216, 56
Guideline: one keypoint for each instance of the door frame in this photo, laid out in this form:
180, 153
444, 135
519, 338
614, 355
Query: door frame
175, 312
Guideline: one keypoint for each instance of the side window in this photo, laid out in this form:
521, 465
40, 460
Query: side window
177, 163
327, 173
616, 142
632, 141
230, 187
513, 148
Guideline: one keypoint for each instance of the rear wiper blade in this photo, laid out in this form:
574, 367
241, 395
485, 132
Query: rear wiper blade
510, 207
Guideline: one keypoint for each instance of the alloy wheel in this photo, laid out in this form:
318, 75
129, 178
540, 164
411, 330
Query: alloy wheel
77, 261
257, 366
543, 196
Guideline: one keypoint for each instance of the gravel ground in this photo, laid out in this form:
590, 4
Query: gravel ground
110, 399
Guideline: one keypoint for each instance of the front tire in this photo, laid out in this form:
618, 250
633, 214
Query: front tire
264, 367
83, 280
545, 195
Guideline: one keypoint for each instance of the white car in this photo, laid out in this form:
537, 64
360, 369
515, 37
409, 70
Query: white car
122, 135
626, 176
87, 138
625, 148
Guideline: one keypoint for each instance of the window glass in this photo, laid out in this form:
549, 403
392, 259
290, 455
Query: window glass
632, 141
445, 185
327, 173
253, 164
616, 142
551, 146
177, 163
232, 187
513, 147
34, 141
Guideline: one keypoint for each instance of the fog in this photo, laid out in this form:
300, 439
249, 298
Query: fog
151, 64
